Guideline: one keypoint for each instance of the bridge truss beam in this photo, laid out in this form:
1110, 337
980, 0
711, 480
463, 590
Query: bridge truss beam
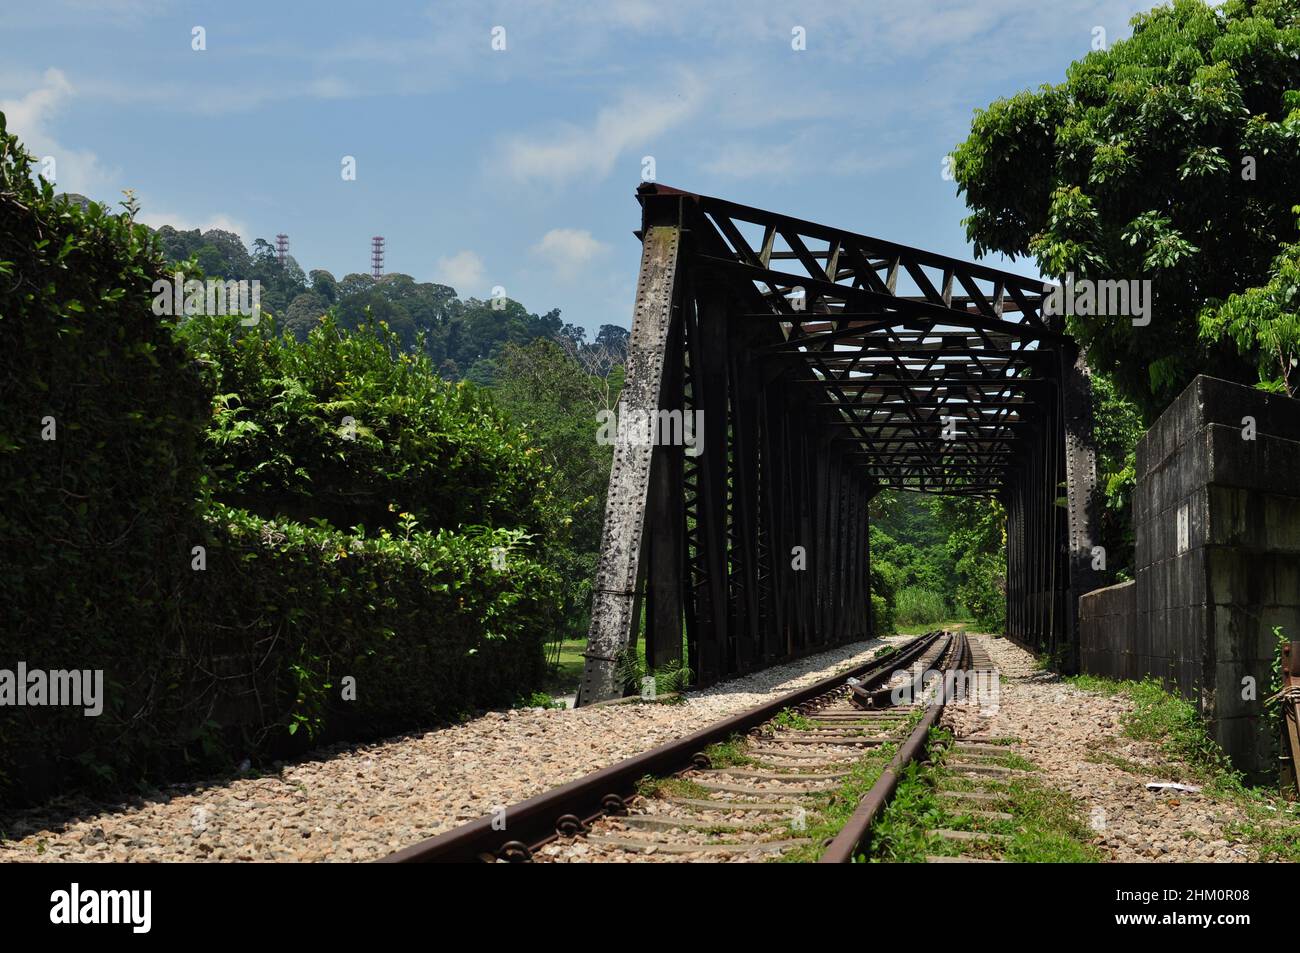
819, 367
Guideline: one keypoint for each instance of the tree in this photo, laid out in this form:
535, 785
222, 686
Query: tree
303, 313
323, 283
555, 399
1264, 323
345, 426
1174, 157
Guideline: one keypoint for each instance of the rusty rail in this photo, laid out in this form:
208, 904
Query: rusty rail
571, 808
854, 836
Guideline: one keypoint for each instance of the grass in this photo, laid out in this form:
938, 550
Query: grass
670, 787
1173, 725
914, 605
1046, 827
921, 628
791, 719
565, 665
565, 674
829, 812
728, 754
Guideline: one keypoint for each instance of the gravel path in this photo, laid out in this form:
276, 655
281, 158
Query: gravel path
1069, 734
361, 802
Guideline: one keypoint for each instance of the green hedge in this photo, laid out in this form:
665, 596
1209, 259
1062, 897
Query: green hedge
247, 656
427, 625
264, 636
95, 524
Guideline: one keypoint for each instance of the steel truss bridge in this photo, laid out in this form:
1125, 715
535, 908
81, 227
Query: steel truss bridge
825, 366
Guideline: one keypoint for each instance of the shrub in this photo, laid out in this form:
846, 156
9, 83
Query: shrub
425, 623
96, 524
882, 616
982, 590
348, 427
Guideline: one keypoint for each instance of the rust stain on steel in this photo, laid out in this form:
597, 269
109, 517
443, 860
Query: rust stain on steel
570, 808
853, 836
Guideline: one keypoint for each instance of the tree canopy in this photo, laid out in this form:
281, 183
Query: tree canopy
463, 338
1173, 156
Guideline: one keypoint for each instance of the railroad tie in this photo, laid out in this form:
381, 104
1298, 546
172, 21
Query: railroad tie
672, 847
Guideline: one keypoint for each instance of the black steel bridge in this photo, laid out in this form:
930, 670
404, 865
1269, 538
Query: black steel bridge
826, 366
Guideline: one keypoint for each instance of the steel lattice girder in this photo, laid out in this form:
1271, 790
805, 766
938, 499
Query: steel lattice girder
819, 382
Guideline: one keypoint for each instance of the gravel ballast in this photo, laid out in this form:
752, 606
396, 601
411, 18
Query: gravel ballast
1069, 734
362, 802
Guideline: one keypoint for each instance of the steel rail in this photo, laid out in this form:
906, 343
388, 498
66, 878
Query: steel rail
883, 696
854, 836
570, 809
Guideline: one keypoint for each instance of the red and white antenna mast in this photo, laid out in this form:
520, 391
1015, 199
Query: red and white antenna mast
377, 256
282, 247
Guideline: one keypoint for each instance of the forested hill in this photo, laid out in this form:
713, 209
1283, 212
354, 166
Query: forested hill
464, 337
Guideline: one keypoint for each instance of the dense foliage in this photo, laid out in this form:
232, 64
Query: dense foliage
463, 338
1172, 156
350, 428
99, 459
1117, 426
952, 564
418, 591
555, 396
429, 625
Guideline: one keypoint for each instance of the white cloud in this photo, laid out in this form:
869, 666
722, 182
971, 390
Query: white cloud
464, 271
29, 117
640, 116
745, 160
157, 219
569, 250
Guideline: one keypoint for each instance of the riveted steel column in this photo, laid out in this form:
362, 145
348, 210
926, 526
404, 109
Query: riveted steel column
615, 611
1083, 514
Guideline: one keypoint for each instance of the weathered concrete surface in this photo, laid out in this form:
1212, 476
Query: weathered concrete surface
1107, 640
1217, 519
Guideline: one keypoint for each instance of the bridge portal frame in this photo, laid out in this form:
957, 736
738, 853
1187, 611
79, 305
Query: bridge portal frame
818, 384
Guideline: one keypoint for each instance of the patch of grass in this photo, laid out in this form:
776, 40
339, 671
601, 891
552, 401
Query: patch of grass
1096, 756
1046, 827
830, 812
1014, 761
566, 664
1276, 838
1173, 725
913, 604
921, 628
1096, 684
1050, 828
729, 753
540, 700
900, 833
791, 719
670, 787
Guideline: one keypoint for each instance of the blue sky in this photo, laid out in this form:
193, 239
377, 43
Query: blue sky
517, 167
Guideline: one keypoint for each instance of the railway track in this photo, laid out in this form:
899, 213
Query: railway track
753, 787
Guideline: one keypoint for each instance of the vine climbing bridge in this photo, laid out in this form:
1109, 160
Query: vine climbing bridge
821, 367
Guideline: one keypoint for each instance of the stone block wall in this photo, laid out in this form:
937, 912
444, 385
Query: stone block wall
1216, 513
